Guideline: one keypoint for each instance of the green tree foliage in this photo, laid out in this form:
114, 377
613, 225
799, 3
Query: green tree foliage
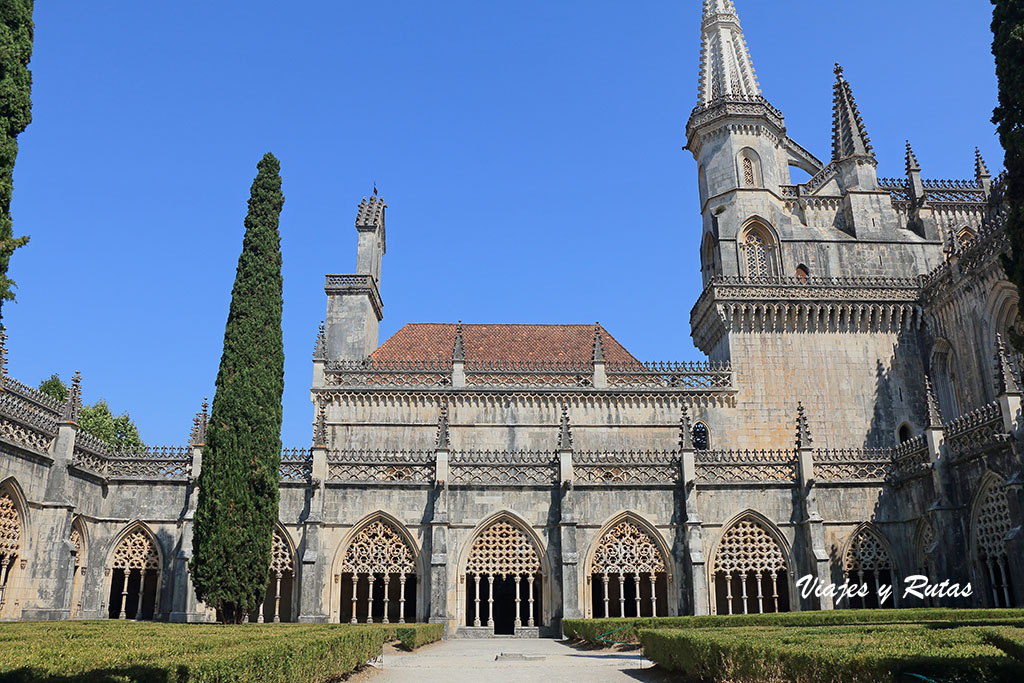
15, 114
54, 388
1008, 48
119, 432
238, 484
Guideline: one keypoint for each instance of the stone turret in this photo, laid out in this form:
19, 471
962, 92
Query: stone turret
354, 306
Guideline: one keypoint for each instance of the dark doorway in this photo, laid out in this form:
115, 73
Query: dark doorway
504, 606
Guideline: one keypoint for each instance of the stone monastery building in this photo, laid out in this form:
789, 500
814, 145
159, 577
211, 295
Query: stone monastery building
858, 417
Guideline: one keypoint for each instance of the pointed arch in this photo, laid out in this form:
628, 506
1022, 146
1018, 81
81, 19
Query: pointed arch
135, 561
378, 570
990, 524
750, 567
279, 598
628, 569
759, 249
502, 551
749, 171
867, 560
13, 538
700, 435
945, 376
924, 550
79, 539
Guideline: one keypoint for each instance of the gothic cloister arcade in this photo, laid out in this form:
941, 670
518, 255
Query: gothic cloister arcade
504, 581
867, 561
627, 572
280, 596
134, 573
77, 539
11, 534
376, 577
749, 570
990, 523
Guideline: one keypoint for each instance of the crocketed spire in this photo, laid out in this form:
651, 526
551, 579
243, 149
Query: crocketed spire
564, 431
934, 415
803, 430
980, 169
685, 430
458, 348
849, 136
598, 344
442, 442
725, 66
1006, 382
911, 160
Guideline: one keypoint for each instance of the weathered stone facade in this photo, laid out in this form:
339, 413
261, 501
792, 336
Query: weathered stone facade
503, 477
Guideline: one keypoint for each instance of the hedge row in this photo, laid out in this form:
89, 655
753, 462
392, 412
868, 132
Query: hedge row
413, 636
150, 652
852, 654
590, 630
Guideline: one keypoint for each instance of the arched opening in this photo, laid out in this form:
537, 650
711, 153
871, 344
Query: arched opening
378, 576
627, 574
750, 169
991, 521
10, 545
134, 577
802, 273
965, 237
749, 571
709, 261
77, 539
905, 433
1005, 316
759, 252
797, 175
701, 436
944, 375
924, 549
277, 601
503, 580
867, 562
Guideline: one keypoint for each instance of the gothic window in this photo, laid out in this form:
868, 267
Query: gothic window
758, 252
134, 577
749, 571
277, 601
802, 273
709, 262
76, 539
748, 172
628, 575
504, 563
945, 377
750, 168
991, 524
867, 562
378, 576
701, 436
1005, 317
10, 542
905, 433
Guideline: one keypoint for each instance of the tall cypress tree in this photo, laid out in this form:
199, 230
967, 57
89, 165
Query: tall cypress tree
238, 484
1008, 48
15, 114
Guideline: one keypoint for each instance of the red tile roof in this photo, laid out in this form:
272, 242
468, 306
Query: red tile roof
510, 343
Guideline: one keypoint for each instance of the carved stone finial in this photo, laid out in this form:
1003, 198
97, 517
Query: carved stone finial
980, 169
685, 430
73, 404
458, 350
320, 426
911, 160
803, 431
320, 348
564, 431
838, 71
199, 422
934, 415
598, 344
442, 441
1006, 380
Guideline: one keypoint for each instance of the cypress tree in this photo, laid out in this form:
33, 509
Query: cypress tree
15, 114
1008, 48
238, 483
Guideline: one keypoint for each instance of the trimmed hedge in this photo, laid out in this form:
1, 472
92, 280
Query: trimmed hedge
590, 630
148, 652
413, 636
836, 654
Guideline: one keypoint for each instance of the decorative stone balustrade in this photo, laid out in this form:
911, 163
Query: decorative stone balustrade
631, 467
504, 468
976, 431
746, 466
860, 464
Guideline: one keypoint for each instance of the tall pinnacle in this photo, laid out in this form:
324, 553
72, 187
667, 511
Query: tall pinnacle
725, 66
849, 136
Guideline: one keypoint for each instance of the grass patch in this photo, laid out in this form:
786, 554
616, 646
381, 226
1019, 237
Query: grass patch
869, 653
109, 651
590, 630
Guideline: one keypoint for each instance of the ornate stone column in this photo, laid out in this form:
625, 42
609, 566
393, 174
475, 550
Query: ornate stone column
693, 558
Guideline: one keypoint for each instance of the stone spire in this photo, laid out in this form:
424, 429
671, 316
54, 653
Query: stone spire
980, 169
320, 427
1006, 381
73, 404
725, 67
911, 160
598, 344
458, 349
441, 442
564, 431
849, 136
685, 430
199, 422
803, 431
320, 347
934, 416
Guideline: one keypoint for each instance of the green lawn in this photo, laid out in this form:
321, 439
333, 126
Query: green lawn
157, 652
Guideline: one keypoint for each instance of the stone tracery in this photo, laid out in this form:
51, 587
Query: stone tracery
136, 554
627, 552
503, 551
750, 560
992, 523
867, 561
378, 550
10, 541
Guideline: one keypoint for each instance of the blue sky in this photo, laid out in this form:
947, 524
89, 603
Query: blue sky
530, 153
